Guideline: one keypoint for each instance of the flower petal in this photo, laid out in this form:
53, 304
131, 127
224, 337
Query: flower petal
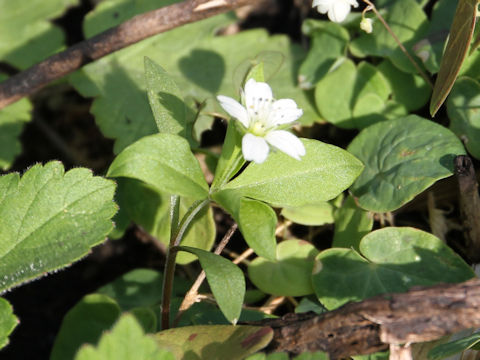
234, 109
254, 148
286, 142
339, 11
283, 111
257, 95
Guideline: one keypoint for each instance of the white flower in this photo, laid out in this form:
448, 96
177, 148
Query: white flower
261, 116
366, 25
337, 10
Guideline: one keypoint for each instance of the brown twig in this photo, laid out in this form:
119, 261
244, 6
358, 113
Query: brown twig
420, 315
469, 205
130, 32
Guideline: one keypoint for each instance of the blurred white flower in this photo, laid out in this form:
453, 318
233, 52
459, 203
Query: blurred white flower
366, 25
262, 116
337, 10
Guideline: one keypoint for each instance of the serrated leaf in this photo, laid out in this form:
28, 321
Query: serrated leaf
49, 219
257, 222
165, 99
351, 225
310, 214
289, 274
454, 347
84, 323
26, 34
409, 23
463, 106
8, 321
214, 342
126, 341
163, 161
225, 280
202, 64
12, 121
459, 41
323, 173
402, 158
391, 260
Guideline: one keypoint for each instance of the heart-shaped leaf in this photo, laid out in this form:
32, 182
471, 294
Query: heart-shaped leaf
391, 260
163, 161
49, 219
226, 281
402, 158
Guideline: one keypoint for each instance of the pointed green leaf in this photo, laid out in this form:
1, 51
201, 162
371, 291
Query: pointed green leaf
126, 341
163, 161
402, 158
8, 321
391, 260
84, 323
12, 121
226, 281
455, 52
323, 173
351, 225
289, 274
166, 99
454, 347
463, 110
26, 34
49, 218
215, 341
257, 222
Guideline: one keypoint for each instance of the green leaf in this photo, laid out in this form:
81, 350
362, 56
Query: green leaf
402, 158
163, 161
126, 341
463, 106
351, 225
225, 279
408, 21
12, 120
341, 92
323, 173
165, 99
454, 347
309, 304
455, 52
318, 355
257, 222
328, 43
50, 218
84, 323
289, 274
8, 321
26, 33
214, 342
391, 260
201, 64
310, 214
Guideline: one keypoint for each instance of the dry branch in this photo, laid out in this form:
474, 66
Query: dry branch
130, 32
422, 314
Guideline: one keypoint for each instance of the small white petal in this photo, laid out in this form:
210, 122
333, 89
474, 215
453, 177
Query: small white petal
339, 11
322, 3
286, 142
254, 148
234, 109
257, 93
284, 111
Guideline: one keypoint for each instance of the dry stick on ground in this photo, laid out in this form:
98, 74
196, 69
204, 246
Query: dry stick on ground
469, 206
422, 314
130, 32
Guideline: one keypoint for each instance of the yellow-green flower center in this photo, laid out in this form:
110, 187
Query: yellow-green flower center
258, 129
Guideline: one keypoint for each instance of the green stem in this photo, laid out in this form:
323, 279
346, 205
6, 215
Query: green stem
235, 165
175, 240
399, 43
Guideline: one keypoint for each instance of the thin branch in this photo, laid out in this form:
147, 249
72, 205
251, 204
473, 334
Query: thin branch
130, 32
420, 315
